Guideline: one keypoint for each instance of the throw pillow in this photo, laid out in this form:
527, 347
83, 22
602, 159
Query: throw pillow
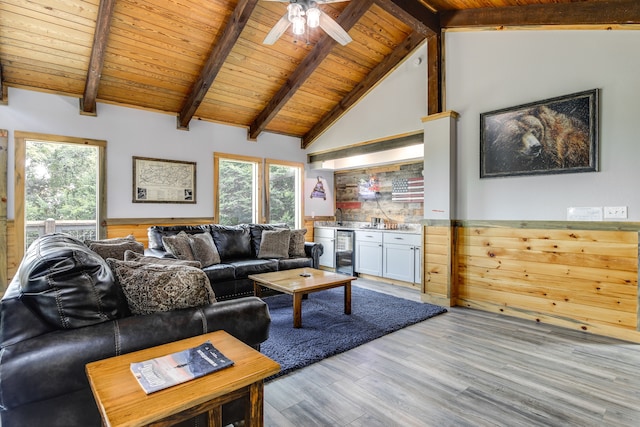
178, 246
275, 244
150, 288
134, 256
114, 240
115, 248
203, 249
255, 231
296, 243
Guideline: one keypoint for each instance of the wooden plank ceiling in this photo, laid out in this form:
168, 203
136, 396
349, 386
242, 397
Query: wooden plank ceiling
204, 59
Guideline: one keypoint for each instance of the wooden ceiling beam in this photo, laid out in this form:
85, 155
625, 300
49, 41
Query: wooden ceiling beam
570, 14
215, 61
4, 93
414, 14
96, 61
434, 74
347, 19
388, 64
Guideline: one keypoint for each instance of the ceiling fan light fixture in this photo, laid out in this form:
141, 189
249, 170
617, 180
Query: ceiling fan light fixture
294, 11
313, 17
298, 25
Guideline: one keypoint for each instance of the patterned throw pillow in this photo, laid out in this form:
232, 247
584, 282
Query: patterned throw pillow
203, 249
134, 256
275, 244
150, 288
296, 243
178, 246
115, 248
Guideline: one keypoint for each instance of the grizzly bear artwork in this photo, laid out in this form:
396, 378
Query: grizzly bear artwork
550, 137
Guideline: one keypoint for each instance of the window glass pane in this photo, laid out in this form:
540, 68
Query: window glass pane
61, 184
284, 194
237, 192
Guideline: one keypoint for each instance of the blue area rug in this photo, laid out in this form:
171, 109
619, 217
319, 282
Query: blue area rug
326, 330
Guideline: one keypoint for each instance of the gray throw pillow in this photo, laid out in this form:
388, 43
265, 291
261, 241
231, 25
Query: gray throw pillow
114, 240
150, 288
296, 243
178, 246
115, 248
275, 244
203, 249
134, 256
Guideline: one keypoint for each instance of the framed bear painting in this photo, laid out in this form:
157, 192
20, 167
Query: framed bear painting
557, 135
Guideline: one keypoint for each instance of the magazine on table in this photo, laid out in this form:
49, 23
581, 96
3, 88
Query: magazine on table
166, 371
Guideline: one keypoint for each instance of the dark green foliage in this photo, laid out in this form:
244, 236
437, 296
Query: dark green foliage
60, 181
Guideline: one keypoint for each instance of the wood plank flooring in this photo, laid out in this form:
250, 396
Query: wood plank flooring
465, 368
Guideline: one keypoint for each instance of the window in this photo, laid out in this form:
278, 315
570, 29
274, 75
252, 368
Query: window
238, 188
284, 203
59, 187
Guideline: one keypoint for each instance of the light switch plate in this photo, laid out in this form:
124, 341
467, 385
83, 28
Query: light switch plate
615, 212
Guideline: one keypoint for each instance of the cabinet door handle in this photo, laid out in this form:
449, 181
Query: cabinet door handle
398, 238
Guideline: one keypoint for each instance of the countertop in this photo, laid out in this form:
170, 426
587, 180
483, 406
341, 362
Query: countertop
354, 225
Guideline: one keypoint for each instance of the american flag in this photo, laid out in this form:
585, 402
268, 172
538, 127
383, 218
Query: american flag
408, 190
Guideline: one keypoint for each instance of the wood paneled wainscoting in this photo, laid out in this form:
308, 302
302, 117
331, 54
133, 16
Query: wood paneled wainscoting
579, 275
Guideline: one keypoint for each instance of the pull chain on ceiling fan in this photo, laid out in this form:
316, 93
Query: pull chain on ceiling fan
305, 13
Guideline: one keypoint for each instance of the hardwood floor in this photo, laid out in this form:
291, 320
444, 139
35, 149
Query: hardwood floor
465, 368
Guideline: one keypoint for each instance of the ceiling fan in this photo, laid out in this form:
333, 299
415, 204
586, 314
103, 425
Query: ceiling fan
305, 13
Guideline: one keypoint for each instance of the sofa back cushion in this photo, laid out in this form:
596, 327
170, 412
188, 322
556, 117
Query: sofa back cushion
232, 242
67, 284
156, 232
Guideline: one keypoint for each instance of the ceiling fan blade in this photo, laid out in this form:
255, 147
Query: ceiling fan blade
334, 29
277, 30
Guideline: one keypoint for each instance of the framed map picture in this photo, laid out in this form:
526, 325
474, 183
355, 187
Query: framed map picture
163, 181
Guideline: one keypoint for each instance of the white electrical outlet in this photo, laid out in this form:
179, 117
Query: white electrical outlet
615, 212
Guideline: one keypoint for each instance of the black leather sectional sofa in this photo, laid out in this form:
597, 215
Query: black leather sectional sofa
63, 310
238, 247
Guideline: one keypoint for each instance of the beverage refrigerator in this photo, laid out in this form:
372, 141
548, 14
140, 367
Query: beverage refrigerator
345, 242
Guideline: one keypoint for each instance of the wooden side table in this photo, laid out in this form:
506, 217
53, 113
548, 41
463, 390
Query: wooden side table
122, 402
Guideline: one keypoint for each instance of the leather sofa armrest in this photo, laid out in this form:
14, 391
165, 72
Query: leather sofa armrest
314, 250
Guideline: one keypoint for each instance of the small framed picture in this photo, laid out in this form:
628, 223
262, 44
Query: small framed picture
163, 181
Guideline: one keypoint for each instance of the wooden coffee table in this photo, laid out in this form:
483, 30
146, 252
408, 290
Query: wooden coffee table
122, 402
293, 282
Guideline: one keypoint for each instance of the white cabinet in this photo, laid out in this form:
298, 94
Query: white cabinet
401, 257
326, 236
369, 252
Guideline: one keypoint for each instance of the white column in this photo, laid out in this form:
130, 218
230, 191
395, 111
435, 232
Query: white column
440, 165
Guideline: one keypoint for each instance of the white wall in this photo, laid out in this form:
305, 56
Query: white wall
489, 70
395, 106
131, 132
